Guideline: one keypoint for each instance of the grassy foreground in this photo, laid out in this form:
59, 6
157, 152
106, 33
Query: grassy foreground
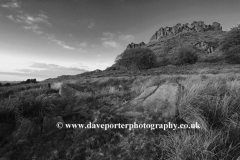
212, 100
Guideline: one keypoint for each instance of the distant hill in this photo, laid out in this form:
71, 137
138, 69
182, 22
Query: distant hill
12, 82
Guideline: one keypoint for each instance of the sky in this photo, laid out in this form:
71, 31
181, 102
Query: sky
48, 38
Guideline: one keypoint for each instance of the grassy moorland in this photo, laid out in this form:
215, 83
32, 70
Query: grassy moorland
212, 100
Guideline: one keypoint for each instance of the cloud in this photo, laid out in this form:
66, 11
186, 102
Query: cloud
59, 43
31, 22
112, 40
94, 45
43, 65
80, 65
89, 23
68, 47
12, 4
43, 70
108, 36
11, 18
126, 38
35, 28
109, 41
111, 44
83, 44
43, 15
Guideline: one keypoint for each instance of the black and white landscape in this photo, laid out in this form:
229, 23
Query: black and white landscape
110, 62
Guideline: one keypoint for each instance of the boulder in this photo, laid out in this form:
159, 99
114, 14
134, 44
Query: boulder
67, 91
56, 86
49, 124
146, 93
158, 99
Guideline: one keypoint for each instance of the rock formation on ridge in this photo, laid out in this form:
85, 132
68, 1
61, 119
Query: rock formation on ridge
133, 45
197, 26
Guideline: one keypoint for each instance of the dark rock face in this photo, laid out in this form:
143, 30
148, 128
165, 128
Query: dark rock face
133, 45
197, 26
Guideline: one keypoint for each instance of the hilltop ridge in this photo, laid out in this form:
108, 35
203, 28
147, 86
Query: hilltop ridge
204, 38
196, 26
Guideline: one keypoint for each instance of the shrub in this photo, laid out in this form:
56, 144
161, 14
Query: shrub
186, 55
7, 84
230, 45
178, 55
142, 58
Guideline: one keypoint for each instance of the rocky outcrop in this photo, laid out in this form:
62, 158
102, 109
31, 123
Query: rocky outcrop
55, 86
197, 26
133, 45
162, 99
97, 71
204, 47
68, 92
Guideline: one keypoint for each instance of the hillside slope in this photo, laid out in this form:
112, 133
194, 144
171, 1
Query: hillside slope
204, 38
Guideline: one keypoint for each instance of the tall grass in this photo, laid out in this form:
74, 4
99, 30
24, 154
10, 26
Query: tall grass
211, 100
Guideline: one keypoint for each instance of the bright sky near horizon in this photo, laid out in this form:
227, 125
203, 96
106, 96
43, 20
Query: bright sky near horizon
48, 38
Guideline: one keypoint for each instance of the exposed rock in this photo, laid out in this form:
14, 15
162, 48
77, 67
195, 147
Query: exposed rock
97, 71
146, 93
197, 26
56, 86
204, 46
164, 99
216, 26
133, 45
157, 99
201, 45
49, 124
67, 91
